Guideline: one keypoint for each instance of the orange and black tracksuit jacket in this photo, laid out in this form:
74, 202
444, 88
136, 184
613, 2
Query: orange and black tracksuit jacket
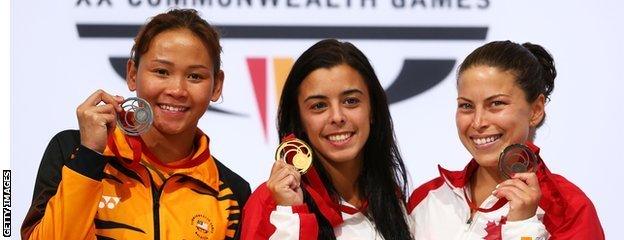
81, 194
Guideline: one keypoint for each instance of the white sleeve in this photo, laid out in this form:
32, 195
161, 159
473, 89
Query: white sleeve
286, 223
531, 228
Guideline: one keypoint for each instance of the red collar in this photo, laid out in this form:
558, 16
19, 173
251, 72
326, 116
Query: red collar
133, 147
130, 150
330, 209
459, 179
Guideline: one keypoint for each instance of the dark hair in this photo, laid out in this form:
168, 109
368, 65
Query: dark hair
178, 19
383, 179
532, 65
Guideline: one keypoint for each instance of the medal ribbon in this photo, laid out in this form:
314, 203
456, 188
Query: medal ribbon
137, 150
330, 209
500, 203
136, 144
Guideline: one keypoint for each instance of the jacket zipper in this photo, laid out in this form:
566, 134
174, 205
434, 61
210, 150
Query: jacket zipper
472, 221
156, 204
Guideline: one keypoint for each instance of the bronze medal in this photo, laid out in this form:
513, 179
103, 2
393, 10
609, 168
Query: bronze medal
517, 158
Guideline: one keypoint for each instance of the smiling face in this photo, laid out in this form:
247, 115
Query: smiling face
493, 113
177, 78
334, 107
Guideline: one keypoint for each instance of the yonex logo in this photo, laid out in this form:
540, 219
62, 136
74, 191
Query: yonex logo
108, 202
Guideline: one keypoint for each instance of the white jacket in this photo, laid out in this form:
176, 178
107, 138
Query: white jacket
439, 210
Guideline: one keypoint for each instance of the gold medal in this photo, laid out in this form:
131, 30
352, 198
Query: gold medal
295, 152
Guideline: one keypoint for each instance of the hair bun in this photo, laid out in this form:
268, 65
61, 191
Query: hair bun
547, 63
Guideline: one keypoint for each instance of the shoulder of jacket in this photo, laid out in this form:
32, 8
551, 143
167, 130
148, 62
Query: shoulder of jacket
422, 191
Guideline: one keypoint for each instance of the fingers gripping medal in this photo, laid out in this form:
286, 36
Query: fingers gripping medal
517, 158
295, 152
136, 116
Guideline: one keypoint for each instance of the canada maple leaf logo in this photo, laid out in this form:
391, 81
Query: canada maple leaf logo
494, 230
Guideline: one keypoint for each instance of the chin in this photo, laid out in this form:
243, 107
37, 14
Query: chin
487, 160
168, 129
340, 157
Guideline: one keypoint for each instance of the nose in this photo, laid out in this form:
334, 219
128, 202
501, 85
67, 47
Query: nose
338, 117
479, 120
177, 88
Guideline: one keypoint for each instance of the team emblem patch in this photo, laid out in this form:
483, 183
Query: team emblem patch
203, 226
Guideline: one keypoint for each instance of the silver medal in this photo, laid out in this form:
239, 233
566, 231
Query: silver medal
136, 116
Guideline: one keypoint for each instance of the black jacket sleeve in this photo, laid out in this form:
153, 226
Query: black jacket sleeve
55, 156
239, 187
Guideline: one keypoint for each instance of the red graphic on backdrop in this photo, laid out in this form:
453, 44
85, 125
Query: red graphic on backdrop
257, 70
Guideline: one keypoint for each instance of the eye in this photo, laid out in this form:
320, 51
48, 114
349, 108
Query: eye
464, 106
161, 71
195, 76
497, 103
318, 106
351, 101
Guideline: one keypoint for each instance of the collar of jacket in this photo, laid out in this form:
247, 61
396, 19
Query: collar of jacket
551, 201
459, 179
201, 166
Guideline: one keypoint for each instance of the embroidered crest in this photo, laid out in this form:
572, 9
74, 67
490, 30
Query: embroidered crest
203, 226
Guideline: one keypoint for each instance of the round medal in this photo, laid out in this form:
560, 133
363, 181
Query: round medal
136, 116
517, 158
295, 152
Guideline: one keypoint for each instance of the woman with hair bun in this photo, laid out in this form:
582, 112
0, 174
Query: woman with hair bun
502, 90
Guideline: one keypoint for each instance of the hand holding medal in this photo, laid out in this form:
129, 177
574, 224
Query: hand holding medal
100, 112
293, 158
518, 164
97, 118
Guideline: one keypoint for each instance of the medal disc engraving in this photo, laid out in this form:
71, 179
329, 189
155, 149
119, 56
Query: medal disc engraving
517, 158
295, 152
136, 116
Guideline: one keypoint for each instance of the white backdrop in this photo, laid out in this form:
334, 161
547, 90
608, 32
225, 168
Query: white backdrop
54, 68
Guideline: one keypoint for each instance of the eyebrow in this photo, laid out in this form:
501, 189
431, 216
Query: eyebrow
487, 99
169, 63
344, 93
163, 61
352, 91
199, 66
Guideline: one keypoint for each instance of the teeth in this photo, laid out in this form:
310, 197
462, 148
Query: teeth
172, 108
339, 137
480, 141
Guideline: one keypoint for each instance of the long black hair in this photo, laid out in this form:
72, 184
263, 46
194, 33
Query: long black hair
383, 180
